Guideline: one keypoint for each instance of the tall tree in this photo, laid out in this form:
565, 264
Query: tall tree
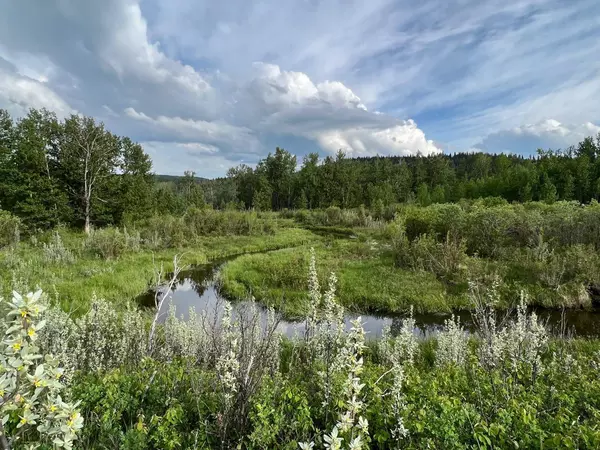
89, 157
279, 170
192, 191
309, 179
245, 181
136, 182
263, 195
35, 194
6, 151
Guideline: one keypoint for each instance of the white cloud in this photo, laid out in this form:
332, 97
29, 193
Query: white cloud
19, 93
547, 134
177, 157
197, 147
330, 73
332, 115
337, 94
282, 88
211, 133
129, 52
404, 139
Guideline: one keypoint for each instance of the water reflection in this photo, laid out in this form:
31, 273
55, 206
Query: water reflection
197, 288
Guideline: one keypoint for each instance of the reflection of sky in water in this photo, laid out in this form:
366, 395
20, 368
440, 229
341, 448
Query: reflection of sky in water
203, 296
197, 289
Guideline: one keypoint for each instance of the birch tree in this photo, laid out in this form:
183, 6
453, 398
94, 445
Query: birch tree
90, 156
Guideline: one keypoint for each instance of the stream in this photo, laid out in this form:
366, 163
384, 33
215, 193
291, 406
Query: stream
198, 288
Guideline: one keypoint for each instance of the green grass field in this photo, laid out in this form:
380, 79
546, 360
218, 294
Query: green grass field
121, 279
368, 282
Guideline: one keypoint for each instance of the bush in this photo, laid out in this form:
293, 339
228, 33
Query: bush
487, 230
418, 221
56, 252
202, 222
32, 383
162, 232
108, 243
281, 417
447, 260
334, 215
152, 405
10, 227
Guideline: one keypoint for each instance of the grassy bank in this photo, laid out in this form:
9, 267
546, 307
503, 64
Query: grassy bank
73, 280
387, 270
367, 279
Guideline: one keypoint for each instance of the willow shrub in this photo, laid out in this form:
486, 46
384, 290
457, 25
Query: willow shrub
487, 226
223, 385
110, 243
32, 383
10, 227
202, 222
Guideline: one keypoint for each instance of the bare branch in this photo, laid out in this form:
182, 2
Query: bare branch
160, 299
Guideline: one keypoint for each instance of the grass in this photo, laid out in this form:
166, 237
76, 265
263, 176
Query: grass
123, 279
368, 282
362, 259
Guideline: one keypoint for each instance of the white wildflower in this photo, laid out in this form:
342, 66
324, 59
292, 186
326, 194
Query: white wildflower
452, 343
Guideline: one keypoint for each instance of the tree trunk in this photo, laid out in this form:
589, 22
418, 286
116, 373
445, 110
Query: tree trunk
87, 217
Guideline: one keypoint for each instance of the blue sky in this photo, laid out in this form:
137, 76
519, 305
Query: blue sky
206, 85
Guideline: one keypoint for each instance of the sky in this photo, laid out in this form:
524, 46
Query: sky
206, 85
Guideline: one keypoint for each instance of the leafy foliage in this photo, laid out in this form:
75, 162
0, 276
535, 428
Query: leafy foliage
30, 384
10, 227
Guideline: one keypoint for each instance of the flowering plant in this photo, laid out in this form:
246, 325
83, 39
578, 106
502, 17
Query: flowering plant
31, 405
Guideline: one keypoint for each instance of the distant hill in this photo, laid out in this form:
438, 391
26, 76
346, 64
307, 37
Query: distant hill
175, 178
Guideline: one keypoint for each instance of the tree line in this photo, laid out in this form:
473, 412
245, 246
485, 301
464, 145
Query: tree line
571, 174
72, 172
77, 173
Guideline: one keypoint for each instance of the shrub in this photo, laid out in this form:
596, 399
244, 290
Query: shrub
418, 221
133, 240
487, 230
101, 339
10, 227
449, 219
151, 405
31, 405
334, 215
280, 416
201, 222
108, 243
447, 260
162, 232
56, 252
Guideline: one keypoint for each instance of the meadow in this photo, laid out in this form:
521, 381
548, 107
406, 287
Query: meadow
425, 257
87, 229
118, 265
228, 379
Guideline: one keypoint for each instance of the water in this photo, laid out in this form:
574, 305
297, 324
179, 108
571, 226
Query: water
198, 288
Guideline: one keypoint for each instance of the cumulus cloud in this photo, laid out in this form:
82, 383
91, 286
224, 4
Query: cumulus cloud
547, 134
127, 50
404, 139
19, 93
280, 88
103, 54
331, 114
233, 79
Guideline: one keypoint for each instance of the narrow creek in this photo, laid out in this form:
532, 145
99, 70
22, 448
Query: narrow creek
198, 288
